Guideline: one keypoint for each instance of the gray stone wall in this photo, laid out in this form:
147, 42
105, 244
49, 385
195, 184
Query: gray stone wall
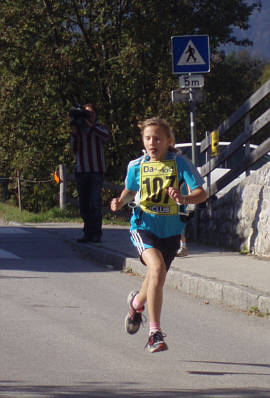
240, 220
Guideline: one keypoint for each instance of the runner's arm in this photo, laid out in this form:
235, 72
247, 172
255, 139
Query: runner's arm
125, 197
197, 195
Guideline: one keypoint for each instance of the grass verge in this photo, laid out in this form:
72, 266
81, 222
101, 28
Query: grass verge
9, 213
255, 311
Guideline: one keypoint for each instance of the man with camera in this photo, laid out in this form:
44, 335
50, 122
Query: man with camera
87, 142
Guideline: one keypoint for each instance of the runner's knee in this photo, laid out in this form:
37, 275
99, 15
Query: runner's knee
157, 274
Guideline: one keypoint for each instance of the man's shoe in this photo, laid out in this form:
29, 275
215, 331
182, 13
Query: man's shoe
84, 239
156, 342
95, 240
182, 252
88, 239
134, 318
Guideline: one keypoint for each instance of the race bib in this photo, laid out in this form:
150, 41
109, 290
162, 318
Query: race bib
155, 177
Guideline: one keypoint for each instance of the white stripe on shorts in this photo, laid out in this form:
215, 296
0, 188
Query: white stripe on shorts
138, 240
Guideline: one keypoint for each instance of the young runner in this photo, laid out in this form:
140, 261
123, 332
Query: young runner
155, 224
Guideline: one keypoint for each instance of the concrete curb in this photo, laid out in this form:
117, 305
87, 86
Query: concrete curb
217, 291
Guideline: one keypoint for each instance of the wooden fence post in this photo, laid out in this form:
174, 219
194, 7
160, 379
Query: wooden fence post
62, 186
19, 190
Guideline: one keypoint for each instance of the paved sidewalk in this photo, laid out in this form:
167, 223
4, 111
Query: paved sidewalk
214, 274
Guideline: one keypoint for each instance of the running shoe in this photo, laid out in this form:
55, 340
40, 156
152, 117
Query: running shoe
156, 342
134, 318
182, 252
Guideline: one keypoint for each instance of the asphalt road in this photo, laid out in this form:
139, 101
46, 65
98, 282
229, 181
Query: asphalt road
62, 334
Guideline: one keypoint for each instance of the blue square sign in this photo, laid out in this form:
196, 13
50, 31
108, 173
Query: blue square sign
190, 54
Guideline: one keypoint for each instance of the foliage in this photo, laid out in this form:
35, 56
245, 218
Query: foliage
255, 311
55, 54
265, 74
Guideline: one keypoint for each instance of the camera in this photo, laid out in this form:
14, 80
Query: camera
78, 115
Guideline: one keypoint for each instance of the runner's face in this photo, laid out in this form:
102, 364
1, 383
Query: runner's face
156, 142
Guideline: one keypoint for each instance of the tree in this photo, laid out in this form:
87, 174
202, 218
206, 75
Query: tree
55, 54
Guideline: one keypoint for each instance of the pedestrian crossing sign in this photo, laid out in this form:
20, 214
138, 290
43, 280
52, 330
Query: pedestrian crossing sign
190, 54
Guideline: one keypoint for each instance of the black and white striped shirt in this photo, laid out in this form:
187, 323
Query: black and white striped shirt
88, 145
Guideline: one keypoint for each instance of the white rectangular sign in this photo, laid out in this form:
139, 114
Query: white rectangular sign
191, 81
180, 96
184, 96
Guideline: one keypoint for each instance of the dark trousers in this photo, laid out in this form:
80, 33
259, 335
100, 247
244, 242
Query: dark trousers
89, 186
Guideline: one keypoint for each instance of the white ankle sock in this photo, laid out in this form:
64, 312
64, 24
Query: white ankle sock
154, 327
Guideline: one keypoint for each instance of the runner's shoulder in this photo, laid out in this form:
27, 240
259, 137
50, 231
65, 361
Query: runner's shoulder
135, 162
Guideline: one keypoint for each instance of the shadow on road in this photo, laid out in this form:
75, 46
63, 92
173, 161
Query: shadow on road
91, 390
49, 248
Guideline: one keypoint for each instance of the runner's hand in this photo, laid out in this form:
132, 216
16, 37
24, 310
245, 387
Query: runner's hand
116, 204
175, 194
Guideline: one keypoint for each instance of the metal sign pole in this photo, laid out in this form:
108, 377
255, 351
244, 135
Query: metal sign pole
193, 127
190, 57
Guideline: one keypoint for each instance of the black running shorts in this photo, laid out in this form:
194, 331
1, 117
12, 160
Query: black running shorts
143, 239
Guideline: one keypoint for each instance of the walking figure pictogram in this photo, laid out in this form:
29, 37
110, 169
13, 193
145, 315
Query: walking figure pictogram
190, 51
